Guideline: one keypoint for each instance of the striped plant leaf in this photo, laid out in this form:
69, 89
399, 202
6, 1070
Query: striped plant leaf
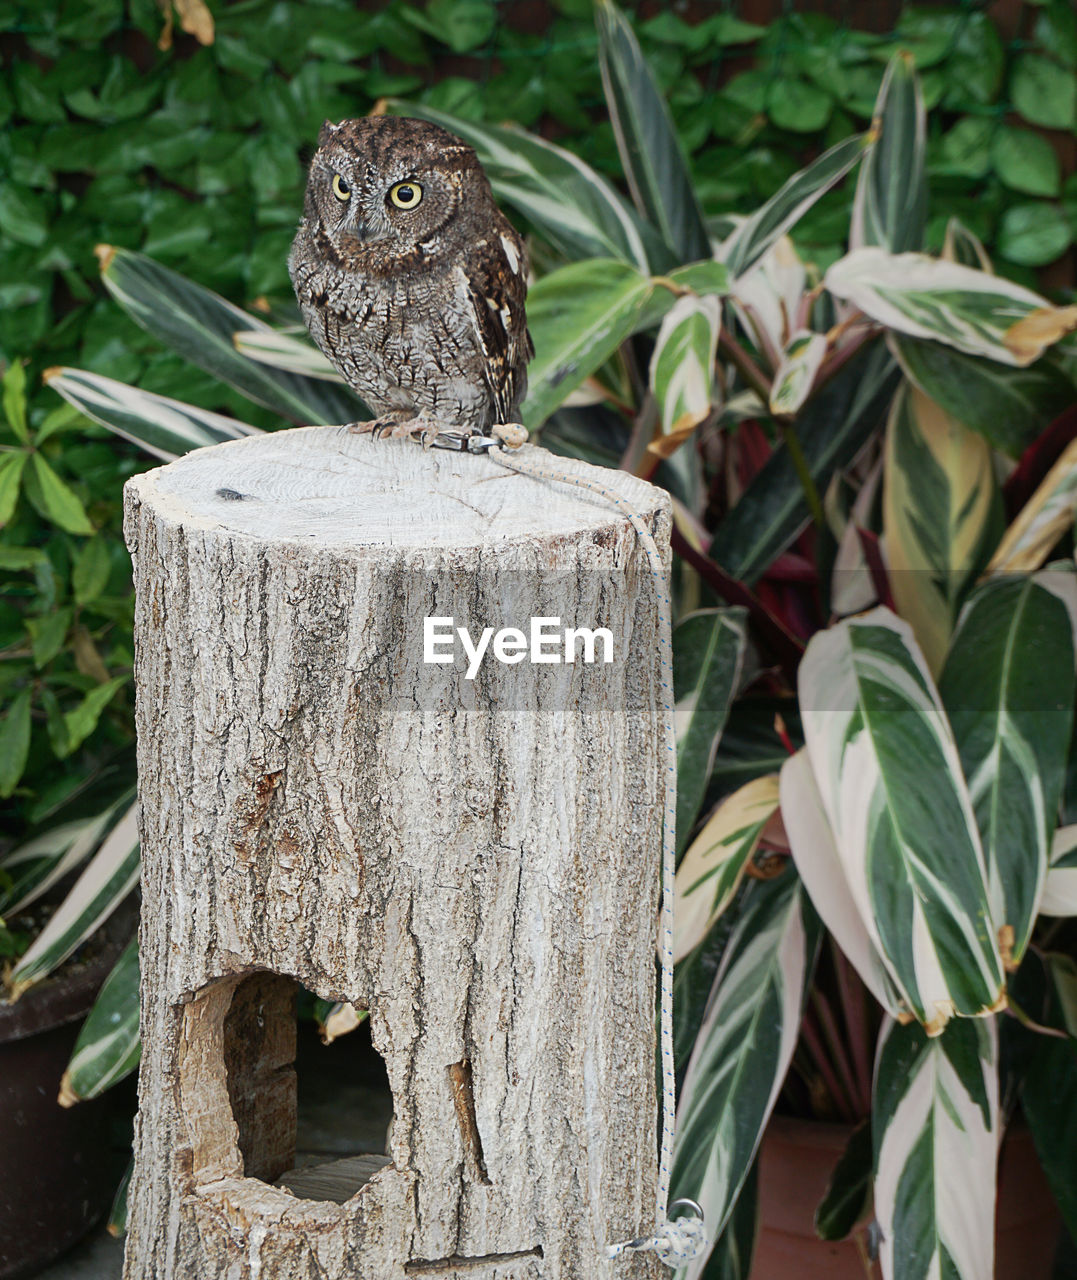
743, 1048
338, 1019
925, 297
1046, 516
117, 1218
201, 326
963, 246
284, 351
888, 772
848, 1194
108, 878
708, 660
1008, 687
713, 867
890, 206
1008, 406
935, 1121
34, 866
164, 427
823, 875
569, 204
1059, 897
108, 1047
795, 375
651, 152
682, 364
578, 316
941, 515
789, 204
733, 1251
832, 428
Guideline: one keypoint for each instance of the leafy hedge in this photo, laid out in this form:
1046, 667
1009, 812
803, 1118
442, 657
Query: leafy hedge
194, 154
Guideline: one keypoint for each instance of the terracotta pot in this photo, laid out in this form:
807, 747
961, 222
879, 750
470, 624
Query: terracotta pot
796, 1161
57, 1175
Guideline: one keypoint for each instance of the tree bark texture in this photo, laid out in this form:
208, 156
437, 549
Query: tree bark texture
475, 861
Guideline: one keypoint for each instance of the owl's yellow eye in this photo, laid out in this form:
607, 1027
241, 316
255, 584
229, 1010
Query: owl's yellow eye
406, 195
340, 188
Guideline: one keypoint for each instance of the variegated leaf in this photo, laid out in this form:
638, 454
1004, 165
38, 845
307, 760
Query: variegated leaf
708, 658
963, 246
578, 316
935, 1123
795, 375
890, 206
201, 326
888, 772
1008, 687
1059, 897
164, 427
743, 1049
1046, 516
109, 877
820, 867
927, 298
682, 365
712, 868
283, 351
787, 206
108, 1047
941, 515
653, 159
768, 298
570, 204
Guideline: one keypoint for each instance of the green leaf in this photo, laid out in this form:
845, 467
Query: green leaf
973, 311
53, 498
16, 559
890, 207
89, 575
708, 658
682, 363
14, 401
164, 427
832, 428
653, 159
12, 466
14, 742
201, 326
1034, 234
848, 1194
731, 1256
47, 634
24, 215
1026, 161
942, 515
117, 1218
1044, 92
461, 24
108, 1047
1049, 1103
574, 208
107, 880
1008, 687
744, 1046
578, 317
894, 797
795, 375
799, 106
782, 211
966, 150
935, 1122
82, 721
1008, 406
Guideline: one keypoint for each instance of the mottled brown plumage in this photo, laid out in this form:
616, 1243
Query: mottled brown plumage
410, 278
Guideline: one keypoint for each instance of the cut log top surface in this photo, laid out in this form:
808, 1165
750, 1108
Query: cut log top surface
349, 490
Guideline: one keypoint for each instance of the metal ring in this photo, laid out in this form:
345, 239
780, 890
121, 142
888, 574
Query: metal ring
696, 1209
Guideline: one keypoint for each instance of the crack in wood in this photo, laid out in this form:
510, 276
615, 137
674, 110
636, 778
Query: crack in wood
439, 1266
463, 1097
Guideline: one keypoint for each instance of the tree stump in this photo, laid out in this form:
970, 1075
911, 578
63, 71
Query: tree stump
474, 861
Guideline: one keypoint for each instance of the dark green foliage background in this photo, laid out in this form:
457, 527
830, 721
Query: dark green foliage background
195, 156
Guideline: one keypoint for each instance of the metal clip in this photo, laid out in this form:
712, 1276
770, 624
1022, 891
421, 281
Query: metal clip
464, 443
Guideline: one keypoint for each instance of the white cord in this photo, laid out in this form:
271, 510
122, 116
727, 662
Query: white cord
676, 1240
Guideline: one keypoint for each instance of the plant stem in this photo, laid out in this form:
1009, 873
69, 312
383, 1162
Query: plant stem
804, 475
745, 365
839, 1051
813, 1043
858, 1028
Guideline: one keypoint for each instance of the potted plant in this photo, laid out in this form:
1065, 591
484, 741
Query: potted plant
874, 655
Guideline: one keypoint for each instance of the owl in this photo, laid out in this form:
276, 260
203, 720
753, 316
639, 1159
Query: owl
411, 280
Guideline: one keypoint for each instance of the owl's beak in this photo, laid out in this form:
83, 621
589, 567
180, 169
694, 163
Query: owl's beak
362, 231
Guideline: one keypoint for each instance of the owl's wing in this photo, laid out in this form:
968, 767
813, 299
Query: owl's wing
496, 288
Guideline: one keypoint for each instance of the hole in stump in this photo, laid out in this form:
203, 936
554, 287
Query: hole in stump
312, 1118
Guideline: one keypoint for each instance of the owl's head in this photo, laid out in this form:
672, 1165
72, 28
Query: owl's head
391, 185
